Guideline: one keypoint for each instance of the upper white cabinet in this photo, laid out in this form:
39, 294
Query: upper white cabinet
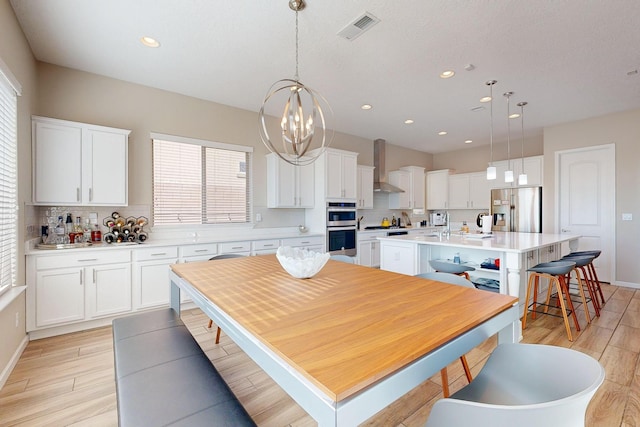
412, 180
289, 186
438, 189
469, 191
79, 164
365, 187
336, 175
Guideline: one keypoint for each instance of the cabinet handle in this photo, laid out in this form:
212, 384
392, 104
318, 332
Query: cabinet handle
202, 250
159, 254
78, 194
94, 276
87, 259
237, 247
305, 243
91, 194
268, 246
81, 279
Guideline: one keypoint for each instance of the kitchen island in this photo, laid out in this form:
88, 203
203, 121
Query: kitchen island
516, 251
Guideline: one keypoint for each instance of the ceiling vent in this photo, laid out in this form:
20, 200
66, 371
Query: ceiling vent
358, 26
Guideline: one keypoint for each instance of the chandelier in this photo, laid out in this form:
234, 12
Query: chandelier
303, 120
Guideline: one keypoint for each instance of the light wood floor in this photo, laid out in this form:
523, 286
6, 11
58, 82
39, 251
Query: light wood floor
68, 380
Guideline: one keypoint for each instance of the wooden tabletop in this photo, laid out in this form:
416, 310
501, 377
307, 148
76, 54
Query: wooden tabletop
349, 325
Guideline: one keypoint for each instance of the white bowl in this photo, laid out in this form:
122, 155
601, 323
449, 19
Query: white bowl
301, 263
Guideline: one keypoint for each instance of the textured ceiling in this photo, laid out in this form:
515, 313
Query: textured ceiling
569, 59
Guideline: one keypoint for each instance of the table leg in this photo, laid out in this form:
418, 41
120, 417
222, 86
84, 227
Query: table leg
175, 297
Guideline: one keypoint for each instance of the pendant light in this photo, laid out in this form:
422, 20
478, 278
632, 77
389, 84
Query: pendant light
491, 170
303, 119
508, 174
522, 178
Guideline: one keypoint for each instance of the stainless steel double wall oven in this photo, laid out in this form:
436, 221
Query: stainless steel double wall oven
341, 228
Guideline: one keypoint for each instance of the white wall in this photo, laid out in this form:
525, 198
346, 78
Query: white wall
623, 130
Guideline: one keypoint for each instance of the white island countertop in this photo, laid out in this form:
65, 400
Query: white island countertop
499, 241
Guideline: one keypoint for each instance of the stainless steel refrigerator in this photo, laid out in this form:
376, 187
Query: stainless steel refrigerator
517, 209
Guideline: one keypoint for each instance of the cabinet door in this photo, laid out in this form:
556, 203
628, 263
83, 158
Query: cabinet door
333, 175
305, 190
364, 253
479, 191
281, 183
532, 167
375, 254
349, 176
459, 191
105, 182
438, 189
59, 296
401, 179
152, 283
57, 160
365, 187
417, 188
108, 289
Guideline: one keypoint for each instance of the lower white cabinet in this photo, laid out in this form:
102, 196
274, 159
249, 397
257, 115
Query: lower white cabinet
369, 249
151, 286
312, 243
69, 288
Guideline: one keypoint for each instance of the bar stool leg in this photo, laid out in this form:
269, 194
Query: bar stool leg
532, 277
584, 300
562, 305
591, 290
217, 332
569, 303
596, 282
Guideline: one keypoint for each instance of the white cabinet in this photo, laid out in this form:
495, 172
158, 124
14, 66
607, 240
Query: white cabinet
289, 186
399, 257
262, 247
369, 249
69, 288
412, 180
311, 243
338, 169
79, 164
438, 189
151, 286
198, 252
241, 248
365, 187
469, 191
402, 180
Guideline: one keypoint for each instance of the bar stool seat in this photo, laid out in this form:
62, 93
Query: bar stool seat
450, 267
555, 273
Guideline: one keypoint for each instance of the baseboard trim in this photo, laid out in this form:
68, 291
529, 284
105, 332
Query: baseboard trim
13, 361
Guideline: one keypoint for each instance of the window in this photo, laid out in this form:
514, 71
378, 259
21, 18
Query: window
200, 182
9, 89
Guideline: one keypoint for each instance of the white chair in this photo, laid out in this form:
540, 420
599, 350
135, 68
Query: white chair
343, 258
218, 257
524, 385
460, 281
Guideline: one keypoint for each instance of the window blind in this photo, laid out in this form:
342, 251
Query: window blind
8, 184
200, 182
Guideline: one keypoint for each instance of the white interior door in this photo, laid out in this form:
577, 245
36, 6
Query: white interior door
585, 180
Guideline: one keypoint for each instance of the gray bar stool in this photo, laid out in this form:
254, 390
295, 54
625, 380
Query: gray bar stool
592, 271
555, 273
582, 264
450, 267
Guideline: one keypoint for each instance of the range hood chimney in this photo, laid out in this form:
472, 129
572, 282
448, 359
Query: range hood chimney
380, 172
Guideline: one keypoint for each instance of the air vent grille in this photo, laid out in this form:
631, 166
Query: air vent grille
358, 26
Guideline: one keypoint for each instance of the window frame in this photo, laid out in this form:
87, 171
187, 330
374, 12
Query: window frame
207, 144
11, 90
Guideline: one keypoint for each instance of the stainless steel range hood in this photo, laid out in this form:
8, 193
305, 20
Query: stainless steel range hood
380, 183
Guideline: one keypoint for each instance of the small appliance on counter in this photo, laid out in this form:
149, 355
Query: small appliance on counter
438, 218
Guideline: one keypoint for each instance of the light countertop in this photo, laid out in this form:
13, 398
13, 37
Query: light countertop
498, 242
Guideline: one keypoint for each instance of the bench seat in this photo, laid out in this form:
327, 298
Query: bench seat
163, 378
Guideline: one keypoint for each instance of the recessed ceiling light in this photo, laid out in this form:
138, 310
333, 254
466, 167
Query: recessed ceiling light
514, 116
408, 122
447, 74
468, 141
485, 99
366, 107
442, 132
149, 41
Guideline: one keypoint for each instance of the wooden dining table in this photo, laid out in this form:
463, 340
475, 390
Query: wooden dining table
349, 341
